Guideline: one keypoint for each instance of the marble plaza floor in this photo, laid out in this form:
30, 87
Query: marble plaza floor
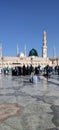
27, 106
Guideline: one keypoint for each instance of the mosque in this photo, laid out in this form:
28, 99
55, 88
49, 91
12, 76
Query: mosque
33, 58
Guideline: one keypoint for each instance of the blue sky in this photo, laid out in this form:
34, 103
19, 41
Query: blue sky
22, 22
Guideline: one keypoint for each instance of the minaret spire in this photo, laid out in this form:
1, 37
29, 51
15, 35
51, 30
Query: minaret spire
0, 50
44, 38
25, 51
44, 47
17, 50
54, 52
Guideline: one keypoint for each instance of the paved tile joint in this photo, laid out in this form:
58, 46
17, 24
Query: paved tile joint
27, 106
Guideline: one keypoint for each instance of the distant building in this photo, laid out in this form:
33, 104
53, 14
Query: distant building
32, 59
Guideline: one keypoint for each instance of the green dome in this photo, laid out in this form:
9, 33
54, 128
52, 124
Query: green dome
33, 52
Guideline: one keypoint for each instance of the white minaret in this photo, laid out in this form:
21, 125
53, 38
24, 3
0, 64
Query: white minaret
25, 51
17, 50
1, 50
44, 47
54, 52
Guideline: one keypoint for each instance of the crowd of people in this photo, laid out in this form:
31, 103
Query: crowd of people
34, 72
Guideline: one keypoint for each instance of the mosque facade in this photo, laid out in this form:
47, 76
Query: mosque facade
33, 58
